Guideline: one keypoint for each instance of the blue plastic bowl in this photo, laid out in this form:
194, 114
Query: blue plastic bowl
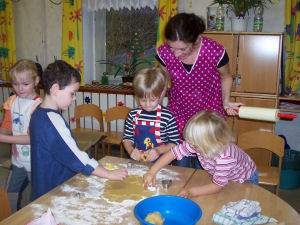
174, 209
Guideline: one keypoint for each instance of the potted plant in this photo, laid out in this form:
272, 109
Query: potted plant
241, 8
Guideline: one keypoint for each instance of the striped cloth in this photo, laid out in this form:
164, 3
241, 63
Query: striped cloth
231, 164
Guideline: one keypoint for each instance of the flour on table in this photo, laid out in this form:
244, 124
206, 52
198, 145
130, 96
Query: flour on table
84, 201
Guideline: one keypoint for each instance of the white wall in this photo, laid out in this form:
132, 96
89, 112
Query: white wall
273, 15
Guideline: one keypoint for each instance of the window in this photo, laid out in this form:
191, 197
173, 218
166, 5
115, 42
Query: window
118, 37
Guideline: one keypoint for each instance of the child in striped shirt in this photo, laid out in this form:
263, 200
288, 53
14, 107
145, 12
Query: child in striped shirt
150, 129
208, 136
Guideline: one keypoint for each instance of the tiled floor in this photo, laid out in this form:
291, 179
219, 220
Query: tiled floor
290, 196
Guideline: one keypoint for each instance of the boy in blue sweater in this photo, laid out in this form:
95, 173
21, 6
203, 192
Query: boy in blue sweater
55, 156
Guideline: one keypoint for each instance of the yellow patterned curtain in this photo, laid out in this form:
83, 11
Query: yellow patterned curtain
7, 38
292, 44
166, 9
72, 42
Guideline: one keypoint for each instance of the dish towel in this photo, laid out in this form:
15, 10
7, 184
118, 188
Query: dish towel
243, 212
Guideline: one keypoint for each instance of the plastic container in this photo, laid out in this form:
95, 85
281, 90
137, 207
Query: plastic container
174, 209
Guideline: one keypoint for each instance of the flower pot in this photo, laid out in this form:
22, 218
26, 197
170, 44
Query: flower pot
239, 24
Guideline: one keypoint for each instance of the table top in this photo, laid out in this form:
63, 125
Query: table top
94, 200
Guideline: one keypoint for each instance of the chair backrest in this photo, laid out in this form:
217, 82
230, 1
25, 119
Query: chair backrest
262, 140
5, 209
85, 110
116, 113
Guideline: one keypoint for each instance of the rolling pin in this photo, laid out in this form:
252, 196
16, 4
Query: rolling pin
258, 113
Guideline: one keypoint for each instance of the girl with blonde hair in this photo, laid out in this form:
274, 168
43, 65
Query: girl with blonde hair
208, 137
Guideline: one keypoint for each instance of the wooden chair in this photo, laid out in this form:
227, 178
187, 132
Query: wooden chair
88, 137
253, 141
114, 137
5, 209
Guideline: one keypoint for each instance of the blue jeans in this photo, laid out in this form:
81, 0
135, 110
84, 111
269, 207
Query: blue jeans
254, 178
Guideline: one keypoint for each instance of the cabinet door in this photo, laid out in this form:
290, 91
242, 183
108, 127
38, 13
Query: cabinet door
259, 63
243, 125
230, 42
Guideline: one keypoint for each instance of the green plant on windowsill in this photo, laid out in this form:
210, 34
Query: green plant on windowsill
241, 7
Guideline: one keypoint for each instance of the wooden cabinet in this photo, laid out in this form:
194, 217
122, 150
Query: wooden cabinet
255, 60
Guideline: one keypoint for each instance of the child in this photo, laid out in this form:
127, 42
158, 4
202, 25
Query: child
14, 128
55, 155
208, 137
150, 129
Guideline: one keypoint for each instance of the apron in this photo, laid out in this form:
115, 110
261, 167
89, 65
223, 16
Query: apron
146, 133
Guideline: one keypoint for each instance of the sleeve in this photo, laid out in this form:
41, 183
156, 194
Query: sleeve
65, 149
7, 123
183, 149
129, 134
224, 61
160, 60
223, 168
172, 131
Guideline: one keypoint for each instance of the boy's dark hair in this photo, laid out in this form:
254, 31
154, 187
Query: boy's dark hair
61, 73
184, 27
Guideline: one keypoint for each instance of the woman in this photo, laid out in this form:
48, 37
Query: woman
199, 70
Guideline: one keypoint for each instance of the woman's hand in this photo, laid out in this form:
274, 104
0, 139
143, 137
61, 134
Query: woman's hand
136, 154
231, 106
153, 154
149, 178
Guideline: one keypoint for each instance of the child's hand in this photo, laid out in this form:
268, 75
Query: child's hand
149, 178
185, 193
118, 174
153, 154
136, 154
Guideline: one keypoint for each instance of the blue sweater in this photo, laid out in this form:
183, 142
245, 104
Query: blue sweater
55, 156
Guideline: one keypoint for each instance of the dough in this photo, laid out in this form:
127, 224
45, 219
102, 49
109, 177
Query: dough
116, 191
155, 218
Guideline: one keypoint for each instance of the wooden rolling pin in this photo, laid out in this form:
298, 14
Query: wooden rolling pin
259, 113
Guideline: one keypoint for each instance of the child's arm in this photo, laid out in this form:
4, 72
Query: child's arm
149, 177
118, 174
154, 153
133, 152
207, 189
20, 139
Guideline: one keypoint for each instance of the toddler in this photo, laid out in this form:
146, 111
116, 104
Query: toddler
208, 136
150, 129
14, 128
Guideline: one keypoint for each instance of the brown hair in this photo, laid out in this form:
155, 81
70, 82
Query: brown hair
149, 81
24, 65
209, 132
184, 27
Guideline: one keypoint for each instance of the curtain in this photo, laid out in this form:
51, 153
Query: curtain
7, 38
292, 43
72, 42
94, 5
166, 9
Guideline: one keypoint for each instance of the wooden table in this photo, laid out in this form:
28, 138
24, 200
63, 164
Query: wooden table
81, 200
272, 205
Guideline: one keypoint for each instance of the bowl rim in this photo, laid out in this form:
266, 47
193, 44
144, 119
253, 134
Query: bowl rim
166, 196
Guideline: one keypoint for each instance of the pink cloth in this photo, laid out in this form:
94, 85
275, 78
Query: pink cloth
232, 164
199, 89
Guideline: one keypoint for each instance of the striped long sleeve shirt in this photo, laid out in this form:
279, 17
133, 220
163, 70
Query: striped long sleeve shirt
231, 164
168, 128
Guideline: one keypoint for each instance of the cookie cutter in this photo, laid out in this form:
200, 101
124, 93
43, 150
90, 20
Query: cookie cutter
129, 165
166, 183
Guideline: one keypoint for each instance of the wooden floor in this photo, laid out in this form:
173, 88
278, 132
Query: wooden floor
290, 196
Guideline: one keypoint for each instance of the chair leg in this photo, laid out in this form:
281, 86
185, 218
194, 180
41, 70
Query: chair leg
103, 149
121, 150
277, 190
96, 151
109, 149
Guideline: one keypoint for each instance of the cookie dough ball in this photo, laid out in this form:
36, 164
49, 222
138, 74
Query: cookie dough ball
155, 218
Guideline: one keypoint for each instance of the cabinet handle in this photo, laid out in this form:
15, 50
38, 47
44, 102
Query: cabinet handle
233, 80
239, 79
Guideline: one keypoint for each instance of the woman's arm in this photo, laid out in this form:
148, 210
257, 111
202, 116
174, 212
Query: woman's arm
226, 85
